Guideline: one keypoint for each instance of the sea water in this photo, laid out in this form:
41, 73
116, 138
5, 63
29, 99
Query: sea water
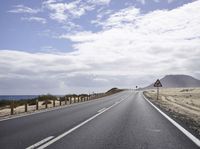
17, 97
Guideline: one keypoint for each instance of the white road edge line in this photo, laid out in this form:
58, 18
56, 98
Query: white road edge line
183, 130
39, 143
25, 114
74, 128
101, 110
116, 102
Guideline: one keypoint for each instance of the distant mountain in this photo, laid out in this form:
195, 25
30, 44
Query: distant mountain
176, 81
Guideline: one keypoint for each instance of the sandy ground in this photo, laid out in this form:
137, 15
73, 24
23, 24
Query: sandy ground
182, 103
5, 111
20, 110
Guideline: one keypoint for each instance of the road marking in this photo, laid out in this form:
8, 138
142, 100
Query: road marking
76, 127
101, 110
117, 102
52, 109
40, 143
183, 130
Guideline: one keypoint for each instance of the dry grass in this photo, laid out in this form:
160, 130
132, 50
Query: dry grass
5, 111
183, 103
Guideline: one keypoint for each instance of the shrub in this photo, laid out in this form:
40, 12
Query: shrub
48, 102
47, 97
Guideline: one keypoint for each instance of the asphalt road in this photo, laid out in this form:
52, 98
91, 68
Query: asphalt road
121, 121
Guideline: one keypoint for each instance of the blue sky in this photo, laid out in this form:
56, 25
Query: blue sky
34, 36
61, 46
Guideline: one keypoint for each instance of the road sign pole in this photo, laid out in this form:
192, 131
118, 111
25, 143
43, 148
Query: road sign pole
157, 84
157, 92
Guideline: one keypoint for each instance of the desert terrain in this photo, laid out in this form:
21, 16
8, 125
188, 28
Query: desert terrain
182, 104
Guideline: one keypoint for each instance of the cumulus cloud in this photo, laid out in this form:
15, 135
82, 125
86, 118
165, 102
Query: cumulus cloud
23, 9
134, 40
62, 11
131, 49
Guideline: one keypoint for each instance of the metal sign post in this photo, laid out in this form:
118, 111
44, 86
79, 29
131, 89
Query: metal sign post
157, 92
157, 84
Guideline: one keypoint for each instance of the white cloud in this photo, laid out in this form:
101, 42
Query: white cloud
63, 12
69, 26
134, 40
131, 49
34, 19
126, 15
23, 9
99, 2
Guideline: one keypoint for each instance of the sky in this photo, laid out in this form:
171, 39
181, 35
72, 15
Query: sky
85, 46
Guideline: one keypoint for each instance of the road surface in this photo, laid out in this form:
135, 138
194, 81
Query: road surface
121, 121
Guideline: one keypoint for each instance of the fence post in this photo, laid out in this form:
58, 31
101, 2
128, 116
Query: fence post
60, 102
12, 108
66, 101
54, 103
46, 105
79, 98
70, 100
26, 107
37, 107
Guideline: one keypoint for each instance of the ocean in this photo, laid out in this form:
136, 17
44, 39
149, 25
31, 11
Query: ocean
17, 97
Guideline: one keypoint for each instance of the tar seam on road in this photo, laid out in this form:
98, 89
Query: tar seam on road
78, 126
183, 130
40, 143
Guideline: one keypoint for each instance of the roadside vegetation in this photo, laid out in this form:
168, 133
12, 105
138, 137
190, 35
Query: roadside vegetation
183, 104
6, 103
11, 107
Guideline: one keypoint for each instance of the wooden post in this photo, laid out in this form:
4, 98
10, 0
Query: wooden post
26, 107
12, 108
66, 100
46, 105
37, 107
60, 102
70, 100
54, 103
